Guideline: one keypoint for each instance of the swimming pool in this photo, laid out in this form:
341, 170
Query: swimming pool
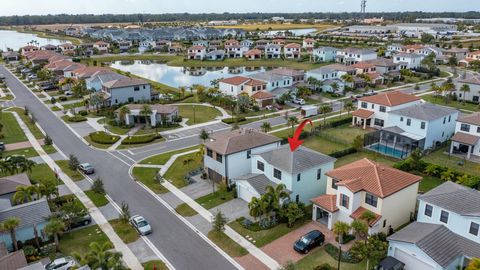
387, 150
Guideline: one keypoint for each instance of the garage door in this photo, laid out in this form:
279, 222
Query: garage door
411, 263
244, 193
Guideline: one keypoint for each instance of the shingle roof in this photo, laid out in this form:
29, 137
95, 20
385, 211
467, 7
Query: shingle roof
229, 142
9, 184
13, 261
465, 138
473, 119
372, 177
426, 111
390, 99
297, 161
258, 181
29, 214
447, 196
437, 241
124, 82
327, 202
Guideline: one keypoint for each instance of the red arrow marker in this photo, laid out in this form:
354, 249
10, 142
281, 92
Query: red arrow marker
295, 142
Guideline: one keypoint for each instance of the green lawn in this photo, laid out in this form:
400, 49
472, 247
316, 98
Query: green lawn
40, 173
323, 145
227, 244
150, 130
75, 175
203, 114
345, 134
440, 158
452, 103
79, 240
73, 105
185, 210
179, 169
365, 154
27, 152
49, 149
97, 145
428, 183
320, 256
157, 264
214, 199
163, 158
125, 231
97, 198
148, 177
33, 128
11, 129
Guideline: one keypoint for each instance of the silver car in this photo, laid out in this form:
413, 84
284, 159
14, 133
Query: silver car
64, 263
141, 225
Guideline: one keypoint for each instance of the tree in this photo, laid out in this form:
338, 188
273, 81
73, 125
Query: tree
71, 212
358, 143
146, 111
97, 186
255, 207
340, 229
431, 170
373, 250
349, 107
465, 89
474, 264
324, 109
100, 257
303, 92
201, 152
266, 127
23, 194
360, 228
10, 225
125, 213
447, 175
73, 162
49, 189
204, 135
219, 221
55, 227
292, 121
293, 213
124, 110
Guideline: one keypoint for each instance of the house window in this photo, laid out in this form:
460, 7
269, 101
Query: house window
474, 228
319, 174
297, 198
444, 217
299, 176
478, 129
249, 154
371, 199
384, 223
373, 106
344, 200
444, 120
422, 125
409, 122
209, 152
334, 183
383, 108
379, 122
219, 158
449, 118
465, 127
401, 119
260, 166
277, 174
136, 88
364, 105
428, 210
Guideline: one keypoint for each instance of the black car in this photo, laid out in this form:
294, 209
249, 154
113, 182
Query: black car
309, 241
2, 146
81, 221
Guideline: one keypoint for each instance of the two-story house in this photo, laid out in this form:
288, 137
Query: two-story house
364, 67
408, 60
124, 45
253, 54
127, 90
301, 171
273, 80
474, 84
101, 46
203, 43
273, 51
292, 51
466, 140
236, 51
350, 56
246, 43
362, 186
324, 54
196, 52
471, 56
228, 154
446, 234
384, 65
308, 44
373, 110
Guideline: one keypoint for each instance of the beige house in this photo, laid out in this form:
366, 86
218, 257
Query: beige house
363, 186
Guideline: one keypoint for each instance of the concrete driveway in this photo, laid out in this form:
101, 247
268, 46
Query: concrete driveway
232, 209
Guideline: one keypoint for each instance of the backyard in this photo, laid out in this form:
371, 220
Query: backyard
198, 114
440, 158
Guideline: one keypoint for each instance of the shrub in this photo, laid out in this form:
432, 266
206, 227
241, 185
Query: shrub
83, 113
325, 266
53, 100
141, 139
102, 137
346, 257
77, 118
233, 120
62, 98
97, 186
342, 153
346, 238
48, 140
340, 122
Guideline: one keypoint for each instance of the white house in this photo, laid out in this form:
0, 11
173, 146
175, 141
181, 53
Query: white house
474, 84
324, 54
301, 171
246, 43
228, 154
471, 56
273, 79
408, 60
236, 51
161, 114
466, 140
362, 186
124, 45
446, 233
330, 75
273, 51
127, 90
101, 46
350, 56
196, 52
308, 44
233, 86
215, 55
292, 51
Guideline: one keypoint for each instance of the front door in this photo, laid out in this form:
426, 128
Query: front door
322, 216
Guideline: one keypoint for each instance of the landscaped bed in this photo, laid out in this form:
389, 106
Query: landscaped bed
319, 256
148, 177
157, 264
124, 230
143, 139
102, 137
181, 167
185, 210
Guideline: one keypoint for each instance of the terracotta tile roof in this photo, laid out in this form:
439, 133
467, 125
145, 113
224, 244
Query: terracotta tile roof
374, 75
374, 178
101, 43
413, 47
293, 46
327, 202
196, 47
253, 52
254, 82
262, 95
390, 99
29, 47
230, 142
363, 113
236, 80
473, 119
465, 138
363, 65
309, 40
359, 212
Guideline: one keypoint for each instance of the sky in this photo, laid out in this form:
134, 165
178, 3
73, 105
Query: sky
43, 7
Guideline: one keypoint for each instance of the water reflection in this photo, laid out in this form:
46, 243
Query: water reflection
15, 40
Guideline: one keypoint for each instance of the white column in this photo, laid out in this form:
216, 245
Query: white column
364, 123
153, 119
127, 119
314, 212
469, 151
353, 120
451, 147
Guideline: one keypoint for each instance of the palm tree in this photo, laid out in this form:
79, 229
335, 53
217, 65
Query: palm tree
349, 107
340, 229
347, 78
146, 111
49, 189
368, 216
266, 127
23, 194
100, 257
10, 225
124, 110
201, 152
200, 89
6, 167
324, 109
275, 194
182, 90
465, 89
292, 121
360, 228
204, 135
255, 207
55, 227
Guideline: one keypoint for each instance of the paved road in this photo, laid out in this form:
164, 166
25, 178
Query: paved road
180, 245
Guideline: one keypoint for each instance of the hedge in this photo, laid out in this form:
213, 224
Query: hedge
102, 137
141, 139
346, 257
233, 120
342, 153
76, 118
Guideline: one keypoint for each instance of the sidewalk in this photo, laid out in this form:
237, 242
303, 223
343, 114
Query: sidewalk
128, 257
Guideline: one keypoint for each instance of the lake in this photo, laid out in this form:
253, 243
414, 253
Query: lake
15, 40
295, 32
182, 76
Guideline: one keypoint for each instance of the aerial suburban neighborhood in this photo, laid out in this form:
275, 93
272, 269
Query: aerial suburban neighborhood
212, 135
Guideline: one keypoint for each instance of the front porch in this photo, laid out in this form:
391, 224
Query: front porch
465, 145
362, 118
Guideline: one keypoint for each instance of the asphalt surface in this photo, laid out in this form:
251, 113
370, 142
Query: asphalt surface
183, 247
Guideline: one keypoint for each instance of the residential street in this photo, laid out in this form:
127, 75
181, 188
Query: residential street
181, 245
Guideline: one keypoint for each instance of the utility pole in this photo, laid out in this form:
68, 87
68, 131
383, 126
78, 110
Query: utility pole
363, 6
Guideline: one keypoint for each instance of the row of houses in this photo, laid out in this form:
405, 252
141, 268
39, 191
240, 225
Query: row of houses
68, 48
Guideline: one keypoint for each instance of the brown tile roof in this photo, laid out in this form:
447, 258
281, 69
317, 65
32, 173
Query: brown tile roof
196, 47
473, 119
230, 142
263, 95
363, 65
390, 99
124, 82
293, 46
253, 52
254, 82
101, 43
375, 178
465, 138
327, 202
374, 75
363, 113
9, 184
357, 214
236, 80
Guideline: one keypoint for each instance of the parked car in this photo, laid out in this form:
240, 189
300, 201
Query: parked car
309, 241
86, 168
47, 87
299, 101
83, 221
2, 77
64, 263
68, 93
141, 225
2, 146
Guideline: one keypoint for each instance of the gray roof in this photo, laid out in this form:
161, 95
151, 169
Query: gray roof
258, 181
9, 184
447, 196
394, 129
426, 111
29, 214
297, 161
229, 142
268, 76
437, 241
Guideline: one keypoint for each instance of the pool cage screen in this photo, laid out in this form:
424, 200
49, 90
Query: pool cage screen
391, 143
